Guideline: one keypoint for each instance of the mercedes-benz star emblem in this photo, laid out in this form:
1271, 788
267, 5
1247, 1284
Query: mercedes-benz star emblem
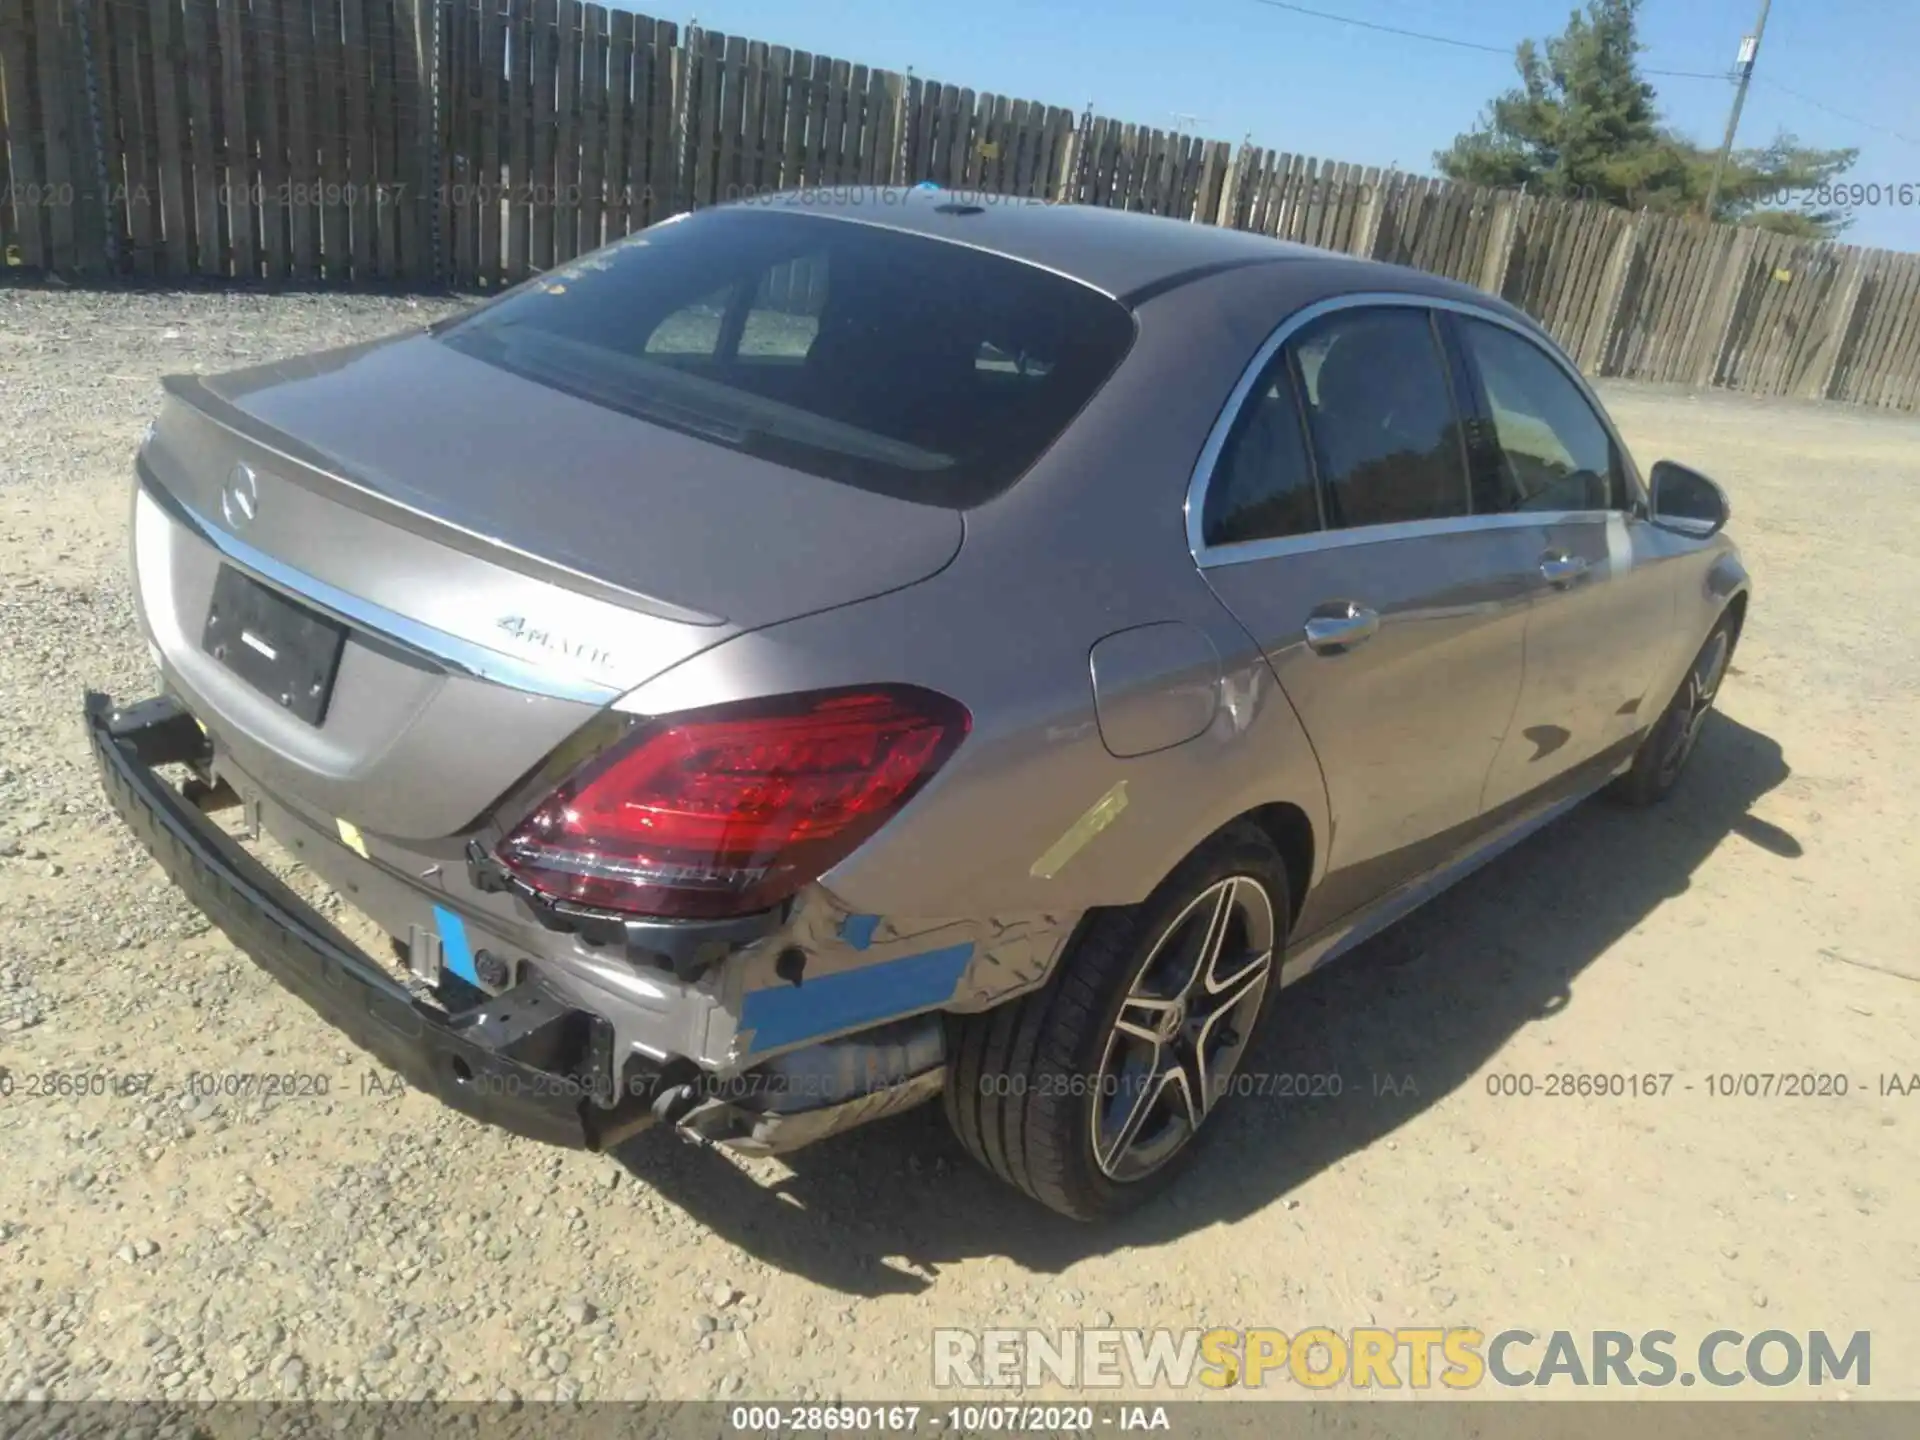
240, 500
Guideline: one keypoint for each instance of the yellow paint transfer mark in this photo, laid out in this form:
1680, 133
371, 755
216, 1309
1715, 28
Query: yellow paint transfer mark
1103, 813
350, 837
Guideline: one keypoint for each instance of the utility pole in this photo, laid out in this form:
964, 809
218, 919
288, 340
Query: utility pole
1749, 52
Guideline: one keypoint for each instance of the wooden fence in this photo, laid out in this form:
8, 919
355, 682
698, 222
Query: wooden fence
474, 142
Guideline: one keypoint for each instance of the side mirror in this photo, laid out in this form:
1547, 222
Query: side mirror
1687, 502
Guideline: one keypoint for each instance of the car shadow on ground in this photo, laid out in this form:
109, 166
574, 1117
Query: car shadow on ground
1403, 1020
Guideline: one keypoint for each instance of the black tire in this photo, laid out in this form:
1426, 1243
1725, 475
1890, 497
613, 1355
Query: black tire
1662, 757
1022, 1079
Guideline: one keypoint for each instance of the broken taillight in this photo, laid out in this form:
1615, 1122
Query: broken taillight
725, 811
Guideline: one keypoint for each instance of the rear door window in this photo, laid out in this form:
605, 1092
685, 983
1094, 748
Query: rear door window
1386, 434
890, 361
1262, 486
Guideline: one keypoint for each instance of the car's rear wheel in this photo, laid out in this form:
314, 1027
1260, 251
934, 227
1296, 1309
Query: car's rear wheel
1663, 755
1090, 1093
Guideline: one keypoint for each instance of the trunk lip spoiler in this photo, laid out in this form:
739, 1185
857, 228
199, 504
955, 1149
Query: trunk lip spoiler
194, 392
372, 621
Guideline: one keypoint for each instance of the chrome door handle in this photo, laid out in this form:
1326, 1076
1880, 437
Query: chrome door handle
1562, 570
1336, 628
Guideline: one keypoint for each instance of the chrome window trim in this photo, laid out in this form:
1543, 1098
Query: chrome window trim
1216, 556
1211, 556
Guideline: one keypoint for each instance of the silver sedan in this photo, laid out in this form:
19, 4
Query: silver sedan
815, 655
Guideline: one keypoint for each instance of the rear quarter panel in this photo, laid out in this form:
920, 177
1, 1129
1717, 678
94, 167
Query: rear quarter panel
1092, 542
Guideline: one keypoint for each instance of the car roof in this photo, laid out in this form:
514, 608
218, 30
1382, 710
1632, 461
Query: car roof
1125, 254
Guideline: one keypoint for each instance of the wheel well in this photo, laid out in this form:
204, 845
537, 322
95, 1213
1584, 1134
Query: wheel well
1737, 615
1291, 832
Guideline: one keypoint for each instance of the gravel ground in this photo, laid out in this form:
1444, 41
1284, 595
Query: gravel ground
361, 1243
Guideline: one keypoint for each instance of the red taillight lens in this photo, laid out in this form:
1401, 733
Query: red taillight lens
731, 810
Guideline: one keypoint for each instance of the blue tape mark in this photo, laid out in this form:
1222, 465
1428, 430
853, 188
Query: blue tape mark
783, 1014
455, 950
857, 930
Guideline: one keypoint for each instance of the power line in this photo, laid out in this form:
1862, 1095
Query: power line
1837, 114
1389, 29
1506, 50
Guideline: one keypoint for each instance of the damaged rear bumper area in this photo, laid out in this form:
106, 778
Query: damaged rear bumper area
504, 1062
528, 1059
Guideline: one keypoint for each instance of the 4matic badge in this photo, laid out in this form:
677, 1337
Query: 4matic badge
580, 652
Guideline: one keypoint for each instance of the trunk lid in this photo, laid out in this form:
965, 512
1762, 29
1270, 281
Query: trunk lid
684, 526
506, 560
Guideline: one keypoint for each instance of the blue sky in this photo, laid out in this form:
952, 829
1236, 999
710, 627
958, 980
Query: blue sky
1239, 67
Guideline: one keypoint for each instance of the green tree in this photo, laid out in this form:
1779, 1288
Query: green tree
1583, 124
1756, 181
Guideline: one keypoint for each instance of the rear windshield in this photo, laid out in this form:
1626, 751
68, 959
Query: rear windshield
915, 367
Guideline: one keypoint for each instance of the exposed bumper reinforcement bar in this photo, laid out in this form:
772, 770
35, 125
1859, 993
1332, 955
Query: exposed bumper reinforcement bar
508, 1063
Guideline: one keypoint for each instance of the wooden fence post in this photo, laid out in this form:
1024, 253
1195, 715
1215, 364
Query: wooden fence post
8, 39
1825, 362
1216, 174
895, 161
1606, 308
427, 208
1366, 225
1073, 159
1226, 211
1717, 321
1500, 232
60, 187
1381, 219
28, 178
99, 238
682, 53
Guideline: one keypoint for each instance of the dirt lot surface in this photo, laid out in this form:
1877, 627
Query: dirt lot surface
363, 1244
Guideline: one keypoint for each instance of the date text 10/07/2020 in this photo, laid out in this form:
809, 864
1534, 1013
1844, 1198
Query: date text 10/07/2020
1023, 1419
83, 1084
1718, 1084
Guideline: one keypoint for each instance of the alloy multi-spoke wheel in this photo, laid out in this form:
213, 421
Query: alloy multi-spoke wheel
1182, 1028
1695, 703
1090, 1092
1663, 755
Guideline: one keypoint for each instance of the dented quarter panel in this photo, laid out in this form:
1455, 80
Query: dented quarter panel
960, 965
